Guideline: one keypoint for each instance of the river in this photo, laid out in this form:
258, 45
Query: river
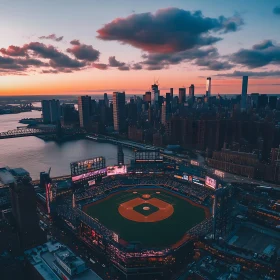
36, 155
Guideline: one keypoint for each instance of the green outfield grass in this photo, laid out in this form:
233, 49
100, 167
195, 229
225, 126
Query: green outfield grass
159, 234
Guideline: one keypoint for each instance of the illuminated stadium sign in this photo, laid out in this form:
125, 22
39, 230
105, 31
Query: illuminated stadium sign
116, 170
86, 166
148, 156
90, 175
210, 182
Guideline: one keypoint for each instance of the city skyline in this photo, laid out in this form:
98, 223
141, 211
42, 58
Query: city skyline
125, 46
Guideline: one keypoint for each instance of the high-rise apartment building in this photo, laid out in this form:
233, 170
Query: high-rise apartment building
244, 93
182, 95
119, 111
84, 107
51, 111
208, 87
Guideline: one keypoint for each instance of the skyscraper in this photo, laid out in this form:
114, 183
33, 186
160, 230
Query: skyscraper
191, 92
171, 93
23, 198
155, 94
51, 111
208, 87
119, 111
106, 99
244, 93
84, 107
164, 113
182, 95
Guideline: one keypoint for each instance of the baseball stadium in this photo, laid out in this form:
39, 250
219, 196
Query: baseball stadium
150, 215
143, 219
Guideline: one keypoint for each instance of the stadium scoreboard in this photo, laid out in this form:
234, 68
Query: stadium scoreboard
87, 170
148, 156
86, 166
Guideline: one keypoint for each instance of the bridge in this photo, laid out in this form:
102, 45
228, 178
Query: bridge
37, 131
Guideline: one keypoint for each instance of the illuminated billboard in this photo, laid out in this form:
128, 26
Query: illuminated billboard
91, 182
148, 156
89, 175
198, 181
86, 166
116, 170
210, 182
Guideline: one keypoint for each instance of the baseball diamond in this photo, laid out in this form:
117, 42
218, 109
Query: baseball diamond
152, 216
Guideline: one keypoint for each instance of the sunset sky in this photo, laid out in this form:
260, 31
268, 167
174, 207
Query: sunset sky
96, 46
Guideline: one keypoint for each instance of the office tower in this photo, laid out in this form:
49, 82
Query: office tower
120, 155
244, 93
119, 111
171, 93
182, 95
208, 87
23, 198
191, 92
84, 107
163, 113
106, 100
155, 94
51, 111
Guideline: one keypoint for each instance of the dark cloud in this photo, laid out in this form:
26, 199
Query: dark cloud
39, 55
124, 68
115, 63
213, 64
261, 54
261, 74
168, 30
263, 45
276, 10
50, 72
13, 51
18, 64
57, 58
84, 52
207, 57
75, 42
136, 66
52, 37
100, 66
